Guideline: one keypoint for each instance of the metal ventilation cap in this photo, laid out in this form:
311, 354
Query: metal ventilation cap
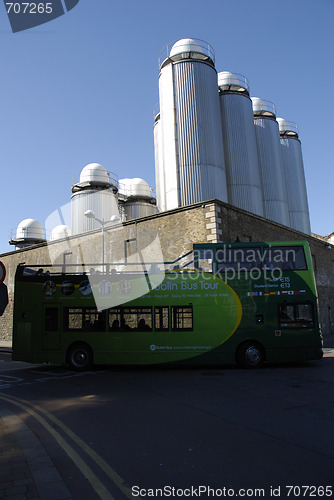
286, 128
186, 45
134, 187
60, 232
94, 172
30, 229
187, 48
232, 82
263, 108
96, 176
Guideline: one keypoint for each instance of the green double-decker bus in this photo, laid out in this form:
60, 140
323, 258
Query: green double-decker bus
225, 303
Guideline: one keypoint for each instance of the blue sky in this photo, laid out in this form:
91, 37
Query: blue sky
82, 89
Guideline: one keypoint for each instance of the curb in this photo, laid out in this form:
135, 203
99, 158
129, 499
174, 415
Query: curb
30, 469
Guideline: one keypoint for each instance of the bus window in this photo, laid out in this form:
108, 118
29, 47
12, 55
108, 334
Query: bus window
285, 258
161, 319
238, 259
86, 319
296, 316
182, 318
136, 318
114, 319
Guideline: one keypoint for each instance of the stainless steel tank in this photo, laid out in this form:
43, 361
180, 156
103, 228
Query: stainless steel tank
159, 165
193, 155
270, 162
96, 191
136, 199
294, 176
241, 159
102, 202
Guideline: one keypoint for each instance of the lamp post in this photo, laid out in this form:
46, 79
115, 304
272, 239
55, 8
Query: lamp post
114, 218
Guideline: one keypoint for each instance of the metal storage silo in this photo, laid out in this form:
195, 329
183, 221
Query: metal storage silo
242, 166
270, 162
193, 155
294, 176
136, 199
97, 191
159, 165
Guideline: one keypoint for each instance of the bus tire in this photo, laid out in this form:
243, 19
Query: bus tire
80, 357
251, 354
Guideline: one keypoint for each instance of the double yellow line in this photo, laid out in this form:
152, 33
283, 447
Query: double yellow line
41, 416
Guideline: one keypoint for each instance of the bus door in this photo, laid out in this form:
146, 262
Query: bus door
51, 327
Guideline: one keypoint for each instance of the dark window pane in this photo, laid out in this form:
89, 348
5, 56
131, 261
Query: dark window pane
296, 316
238, 259
285, 258
51, 319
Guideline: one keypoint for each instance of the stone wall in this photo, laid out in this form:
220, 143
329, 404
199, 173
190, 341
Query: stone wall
166, 236
234, 224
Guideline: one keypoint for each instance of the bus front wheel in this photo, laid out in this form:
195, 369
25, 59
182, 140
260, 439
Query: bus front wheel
80, 357
251, 355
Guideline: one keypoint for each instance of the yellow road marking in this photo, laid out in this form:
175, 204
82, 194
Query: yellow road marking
97, 485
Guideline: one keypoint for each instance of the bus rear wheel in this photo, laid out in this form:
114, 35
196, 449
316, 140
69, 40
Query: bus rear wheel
251, 355
80, 357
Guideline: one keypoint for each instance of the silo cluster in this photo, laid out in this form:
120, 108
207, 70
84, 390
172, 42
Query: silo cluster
212, 140
97, 197
101, 193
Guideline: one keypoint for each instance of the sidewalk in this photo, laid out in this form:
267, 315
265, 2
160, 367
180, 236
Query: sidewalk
26, 470
329, 342
5, 345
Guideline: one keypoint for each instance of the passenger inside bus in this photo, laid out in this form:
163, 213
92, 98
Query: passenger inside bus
143, 326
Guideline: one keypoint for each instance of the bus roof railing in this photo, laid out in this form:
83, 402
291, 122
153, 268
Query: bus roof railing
124, 267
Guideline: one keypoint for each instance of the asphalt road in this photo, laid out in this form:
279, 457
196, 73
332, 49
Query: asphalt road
118, 433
